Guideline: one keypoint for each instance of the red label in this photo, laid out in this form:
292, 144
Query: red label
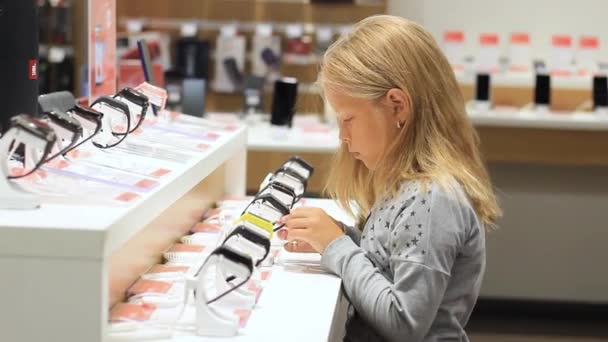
488, 39
453, 36
589, 42
520, 38
180, 247
160, 172
146, 184
149, 286
206, 228
243, 315
265, 275
127, 197
562, 41
132, 312
33, 69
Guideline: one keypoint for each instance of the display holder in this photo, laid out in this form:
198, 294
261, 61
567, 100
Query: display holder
108, 106
600, 95
90, 253
68, 131
268, 208
91, 122
64, 102
249, 242
482, 101
210, 320
281, 192
292, 179
138, 105
34, 136
301, 166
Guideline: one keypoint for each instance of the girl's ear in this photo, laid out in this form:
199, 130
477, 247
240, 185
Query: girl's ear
400, 105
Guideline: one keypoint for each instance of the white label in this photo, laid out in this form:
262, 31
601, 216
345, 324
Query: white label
263, 30
454, 51
520, 57
228, 31
488, 58
135, 26
189, 29
324, 34
56, 54
294, 31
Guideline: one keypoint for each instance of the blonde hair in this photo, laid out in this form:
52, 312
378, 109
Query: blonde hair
438, 143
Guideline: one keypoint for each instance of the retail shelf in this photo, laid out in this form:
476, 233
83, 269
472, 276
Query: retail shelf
526, 80
327, 305
550, 120
310, 135
206, 24
95, 231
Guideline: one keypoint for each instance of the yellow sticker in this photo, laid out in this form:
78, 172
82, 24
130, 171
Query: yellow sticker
258, 222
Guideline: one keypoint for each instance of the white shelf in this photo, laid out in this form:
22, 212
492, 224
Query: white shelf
89, 231
327, 306
311, 137
526, 80
264, 137
530, 119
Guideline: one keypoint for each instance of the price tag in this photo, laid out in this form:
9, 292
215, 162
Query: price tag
520, 59
586, 58
489, 54
57, 54
453, 46
156, 95
188, 29
135, 26
562, 55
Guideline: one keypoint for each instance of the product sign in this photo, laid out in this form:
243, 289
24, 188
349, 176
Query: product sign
102, 48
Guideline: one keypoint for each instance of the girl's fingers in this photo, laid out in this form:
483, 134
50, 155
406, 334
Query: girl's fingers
296, 246
297, 223
301, 212
282, 234
298, 234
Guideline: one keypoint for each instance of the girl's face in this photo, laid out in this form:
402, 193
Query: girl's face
366, 127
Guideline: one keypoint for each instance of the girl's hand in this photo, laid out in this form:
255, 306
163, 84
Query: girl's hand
311, 228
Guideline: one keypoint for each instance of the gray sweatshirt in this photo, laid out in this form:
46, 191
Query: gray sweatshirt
415, 271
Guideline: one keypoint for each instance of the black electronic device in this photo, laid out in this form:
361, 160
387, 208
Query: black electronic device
284, 101
19, 56
193, 58
542, 90
482, 87
600, 92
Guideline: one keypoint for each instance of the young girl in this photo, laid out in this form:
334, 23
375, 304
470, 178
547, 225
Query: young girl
409, 168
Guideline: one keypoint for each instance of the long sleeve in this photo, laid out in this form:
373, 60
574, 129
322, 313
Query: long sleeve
352, 232
398, 289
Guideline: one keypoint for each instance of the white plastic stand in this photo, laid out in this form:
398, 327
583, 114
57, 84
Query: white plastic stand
482, 106
245, 246
601, 111
210, 321
104, 137
541, 109
240, 298
12, 197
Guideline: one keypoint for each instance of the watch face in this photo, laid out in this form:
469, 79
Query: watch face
298, 168
265, 210
290, 181
34, 126
283, 195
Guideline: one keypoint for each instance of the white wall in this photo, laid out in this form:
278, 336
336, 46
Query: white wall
540, 18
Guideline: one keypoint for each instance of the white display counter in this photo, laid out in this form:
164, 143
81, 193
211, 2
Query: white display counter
62, 262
